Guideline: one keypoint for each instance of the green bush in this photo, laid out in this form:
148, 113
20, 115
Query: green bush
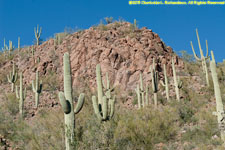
143, 128
202, 133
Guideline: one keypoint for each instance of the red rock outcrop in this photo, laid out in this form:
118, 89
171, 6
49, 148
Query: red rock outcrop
122, 51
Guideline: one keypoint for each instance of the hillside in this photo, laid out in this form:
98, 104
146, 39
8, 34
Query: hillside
123, 51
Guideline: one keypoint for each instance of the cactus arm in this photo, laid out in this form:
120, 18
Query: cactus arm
141, 82
96, 108
79, 104
64, 103
17, 94
162, 83
105, 107
147, 96
40, 87
199, 44
9, 77
37, 81
138, 96
207, 49
15, 78
33, 86
180, 83
112, 106
196, 57
25, 92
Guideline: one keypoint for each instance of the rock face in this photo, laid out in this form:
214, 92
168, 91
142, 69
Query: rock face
122, 51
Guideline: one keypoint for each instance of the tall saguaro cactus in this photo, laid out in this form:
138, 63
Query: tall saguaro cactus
104, 108
177, 82
37, 34
142, 94
219, 104
154, 75
99, 83
165, 83
21, 95
66, 101
37, 88
12, 77
203, 58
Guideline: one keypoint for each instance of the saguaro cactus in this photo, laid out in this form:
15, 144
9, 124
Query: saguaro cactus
37, 88
177, 82
104, 109
37, 34
21, 95
165, 83
142, 94
4, 48
12, 77
219, 104
203, 58
18, 43
99, 83
154, 75
66, 101
9, 48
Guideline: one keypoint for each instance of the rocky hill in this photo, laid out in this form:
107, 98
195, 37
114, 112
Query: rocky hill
123, 51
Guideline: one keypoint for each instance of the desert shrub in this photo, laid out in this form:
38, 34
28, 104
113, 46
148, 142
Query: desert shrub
186, 57
14, 130
60, 36
108, 20
11, 104
94, 134
47, 131
3, 76
143, 128
202, 133
185, 110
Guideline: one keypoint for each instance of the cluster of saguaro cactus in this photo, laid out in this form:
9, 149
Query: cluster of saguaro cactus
104, 108
142, 95
12, 77
203, 58
219, 104
165, 83
177, 81
9, 48
21, 95
37, 88
66, 101
154, 75
37, 33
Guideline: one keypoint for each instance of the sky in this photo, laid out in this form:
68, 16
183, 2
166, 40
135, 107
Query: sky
174, 24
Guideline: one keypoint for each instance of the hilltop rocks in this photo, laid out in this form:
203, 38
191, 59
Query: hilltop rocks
122, 52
